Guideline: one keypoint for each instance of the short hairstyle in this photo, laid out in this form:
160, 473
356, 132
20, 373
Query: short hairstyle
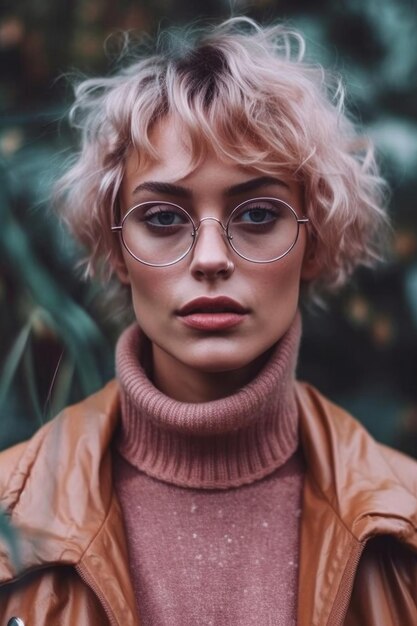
244, 91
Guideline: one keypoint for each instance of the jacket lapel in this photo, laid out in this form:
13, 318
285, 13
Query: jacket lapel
104, 566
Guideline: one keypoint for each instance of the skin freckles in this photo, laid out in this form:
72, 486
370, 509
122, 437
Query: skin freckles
193, 365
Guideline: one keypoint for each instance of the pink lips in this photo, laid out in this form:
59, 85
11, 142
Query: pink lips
218, 313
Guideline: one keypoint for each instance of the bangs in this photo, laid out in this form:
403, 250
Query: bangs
233, 117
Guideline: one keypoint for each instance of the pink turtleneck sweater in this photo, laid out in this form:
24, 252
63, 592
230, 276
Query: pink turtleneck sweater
211, 495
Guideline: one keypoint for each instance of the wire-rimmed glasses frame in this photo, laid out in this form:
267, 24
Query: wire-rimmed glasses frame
196, 228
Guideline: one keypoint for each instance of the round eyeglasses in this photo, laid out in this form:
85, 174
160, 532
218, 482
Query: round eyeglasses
159, 233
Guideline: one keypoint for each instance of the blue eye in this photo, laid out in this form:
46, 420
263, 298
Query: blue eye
163, 216
257, 215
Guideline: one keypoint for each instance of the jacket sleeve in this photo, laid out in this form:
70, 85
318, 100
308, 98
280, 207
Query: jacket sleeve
385, 587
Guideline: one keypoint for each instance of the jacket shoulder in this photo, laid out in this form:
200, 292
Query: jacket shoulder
403, 466
95, 415
361, 479
9, 458
347, 427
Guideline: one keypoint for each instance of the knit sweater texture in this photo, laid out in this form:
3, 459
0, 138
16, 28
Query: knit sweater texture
211, 494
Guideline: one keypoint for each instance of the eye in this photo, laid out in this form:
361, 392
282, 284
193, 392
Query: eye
260, 212
163, 216
256, 215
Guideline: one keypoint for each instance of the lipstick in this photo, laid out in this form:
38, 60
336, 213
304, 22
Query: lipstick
211, 314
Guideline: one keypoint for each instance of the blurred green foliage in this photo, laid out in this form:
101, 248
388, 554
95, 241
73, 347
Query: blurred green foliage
56, 336
10, 536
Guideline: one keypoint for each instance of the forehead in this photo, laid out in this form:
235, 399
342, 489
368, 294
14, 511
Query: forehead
179, 156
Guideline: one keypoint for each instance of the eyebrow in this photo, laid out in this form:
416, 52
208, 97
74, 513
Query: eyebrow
185, 192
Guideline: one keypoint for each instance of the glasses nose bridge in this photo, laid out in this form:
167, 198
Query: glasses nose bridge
206, 219
223, 232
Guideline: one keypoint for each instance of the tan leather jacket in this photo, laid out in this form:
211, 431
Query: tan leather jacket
358, 539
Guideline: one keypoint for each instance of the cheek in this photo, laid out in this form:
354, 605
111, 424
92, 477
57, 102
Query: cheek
150, 290
279, 284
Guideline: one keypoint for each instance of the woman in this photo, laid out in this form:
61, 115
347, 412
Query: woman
206, 485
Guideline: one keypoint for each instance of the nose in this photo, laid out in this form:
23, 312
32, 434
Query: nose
211, 255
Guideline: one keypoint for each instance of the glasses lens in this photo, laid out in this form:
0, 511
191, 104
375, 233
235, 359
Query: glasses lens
263, 229
157, 233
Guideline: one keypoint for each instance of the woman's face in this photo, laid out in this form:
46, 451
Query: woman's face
202, 343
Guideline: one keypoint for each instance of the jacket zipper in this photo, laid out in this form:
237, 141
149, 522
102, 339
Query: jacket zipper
341, 604
89, 581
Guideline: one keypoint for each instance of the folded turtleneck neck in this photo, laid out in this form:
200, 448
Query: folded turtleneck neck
210, 445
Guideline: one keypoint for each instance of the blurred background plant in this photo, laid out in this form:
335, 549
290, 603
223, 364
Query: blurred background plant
56, 335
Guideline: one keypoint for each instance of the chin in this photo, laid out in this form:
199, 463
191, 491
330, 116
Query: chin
233, 360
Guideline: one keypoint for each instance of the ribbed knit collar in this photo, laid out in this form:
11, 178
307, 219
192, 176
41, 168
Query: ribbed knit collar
212, 445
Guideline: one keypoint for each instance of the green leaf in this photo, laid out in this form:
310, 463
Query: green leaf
10, 534
62, 386
30, 380
13, 359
